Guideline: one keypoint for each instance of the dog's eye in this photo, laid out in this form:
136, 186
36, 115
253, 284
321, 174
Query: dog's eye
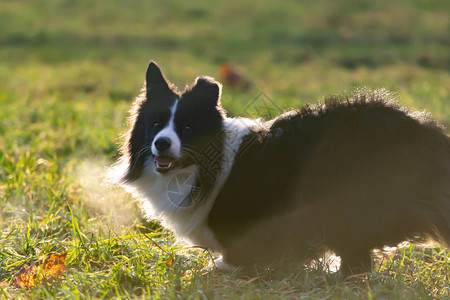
156, 124
187, 129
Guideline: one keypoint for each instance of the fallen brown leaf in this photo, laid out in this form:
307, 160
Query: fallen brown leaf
52, 266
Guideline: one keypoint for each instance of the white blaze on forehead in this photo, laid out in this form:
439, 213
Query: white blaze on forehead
170, 133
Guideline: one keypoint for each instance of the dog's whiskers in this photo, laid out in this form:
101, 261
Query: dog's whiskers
145, 149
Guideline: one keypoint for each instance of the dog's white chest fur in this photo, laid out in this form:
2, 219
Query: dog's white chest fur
169, 199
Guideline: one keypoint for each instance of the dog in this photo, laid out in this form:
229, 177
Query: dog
346, 175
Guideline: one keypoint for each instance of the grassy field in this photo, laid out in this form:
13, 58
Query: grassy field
69, 71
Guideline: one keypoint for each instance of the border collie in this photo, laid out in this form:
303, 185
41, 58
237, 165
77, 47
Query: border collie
346, 176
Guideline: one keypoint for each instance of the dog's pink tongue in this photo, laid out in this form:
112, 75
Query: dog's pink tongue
163, 161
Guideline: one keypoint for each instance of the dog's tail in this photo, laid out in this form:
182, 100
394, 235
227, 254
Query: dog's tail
441, 222
441, 218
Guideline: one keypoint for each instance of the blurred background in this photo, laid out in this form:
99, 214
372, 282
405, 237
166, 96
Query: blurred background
295, 51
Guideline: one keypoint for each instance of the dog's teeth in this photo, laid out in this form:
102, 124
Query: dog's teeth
163, 167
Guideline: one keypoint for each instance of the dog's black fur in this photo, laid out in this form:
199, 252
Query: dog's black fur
348, 175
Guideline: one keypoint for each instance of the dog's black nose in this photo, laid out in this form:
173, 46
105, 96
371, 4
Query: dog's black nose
162, 144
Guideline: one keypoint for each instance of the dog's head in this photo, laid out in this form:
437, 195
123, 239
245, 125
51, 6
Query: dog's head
170, 130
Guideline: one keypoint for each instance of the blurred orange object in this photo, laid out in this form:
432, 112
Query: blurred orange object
50, 267
231, 77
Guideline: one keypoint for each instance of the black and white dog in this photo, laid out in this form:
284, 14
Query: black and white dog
347, 176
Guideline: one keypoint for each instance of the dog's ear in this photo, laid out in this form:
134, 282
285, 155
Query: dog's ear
154, 77
207, 89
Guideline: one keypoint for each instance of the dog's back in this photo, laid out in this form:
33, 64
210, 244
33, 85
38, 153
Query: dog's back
349, 176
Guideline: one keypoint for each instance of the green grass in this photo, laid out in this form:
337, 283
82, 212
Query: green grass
69, 71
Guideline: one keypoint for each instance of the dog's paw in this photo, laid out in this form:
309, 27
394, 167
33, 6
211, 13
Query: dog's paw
220, 265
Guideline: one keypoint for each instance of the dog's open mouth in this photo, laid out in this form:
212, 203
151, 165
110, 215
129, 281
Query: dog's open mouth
164, 164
